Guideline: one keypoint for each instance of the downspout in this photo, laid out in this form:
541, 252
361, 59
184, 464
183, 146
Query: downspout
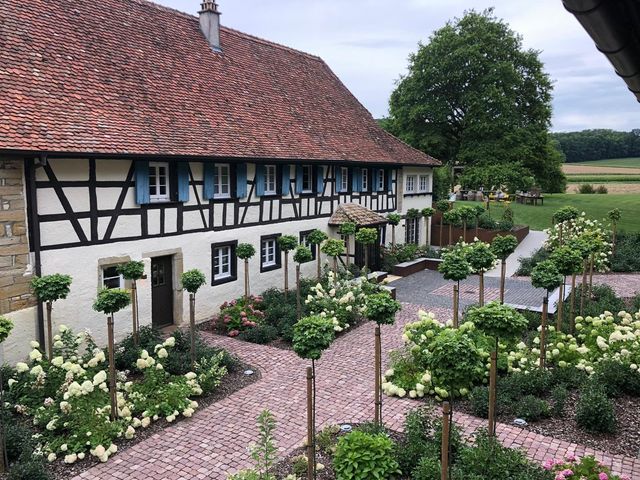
34, 232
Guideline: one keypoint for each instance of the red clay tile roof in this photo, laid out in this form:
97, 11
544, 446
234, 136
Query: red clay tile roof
355, 213
131, 77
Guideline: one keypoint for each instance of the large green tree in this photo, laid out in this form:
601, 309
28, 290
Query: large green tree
474, 96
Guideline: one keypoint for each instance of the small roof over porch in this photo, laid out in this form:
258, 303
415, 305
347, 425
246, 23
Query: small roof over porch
352, 212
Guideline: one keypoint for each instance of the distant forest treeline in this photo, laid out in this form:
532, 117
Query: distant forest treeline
598, 144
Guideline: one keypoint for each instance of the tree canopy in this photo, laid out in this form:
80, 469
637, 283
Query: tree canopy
588, 145
474, 96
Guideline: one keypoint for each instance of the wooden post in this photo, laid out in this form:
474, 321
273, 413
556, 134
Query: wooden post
378, 374
112, 371
298, 308
543, 331
493, 393
481, 292
192, 327
456, 292
572, 318
503, 273
560, 310
246, 279
311, 460
444, 448
49, 332
134, 311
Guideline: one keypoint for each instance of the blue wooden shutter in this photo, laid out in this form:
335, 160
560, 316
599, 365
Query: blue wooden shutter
356, 179
338, 179
298, 179
319, 179
260, 178
183, 182
241, 180
286, 180
142, 182
377, 173
209, 173
389, 174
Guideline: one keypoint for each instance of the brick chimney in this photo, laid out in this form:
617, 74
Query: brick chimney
210, 23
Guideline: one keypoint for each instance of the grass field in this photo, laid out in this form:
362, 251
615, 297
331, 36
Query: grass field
612, 162
595, 206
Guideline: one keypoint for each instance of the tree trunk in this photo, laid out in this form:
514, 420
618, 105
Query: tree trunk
134, 311
298, 307
481, 289
49, 332
493, 392
456, 298
543, 331
335, 266
464, 231
286, 273
246, 279
503, 274
572, 318
378, 376
192, 328
441, 229
310, 427
444, 446
366, 260
112, 371
393, 235
318, 259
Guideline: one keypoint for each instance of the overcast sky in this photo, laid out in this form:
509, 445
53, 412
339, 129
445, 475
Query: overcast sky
367, 43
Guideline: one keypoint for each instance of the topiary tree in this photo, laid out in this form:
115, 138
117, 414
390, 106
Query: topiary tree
347, 229
503, 246
467, 214
382, 309
479, 211
427, 213
614, 215
6, 326
191, 281
442, 206
245, 251
286, 244
316, 238
562, 215
110, 301
500, 322
454, 266
393, 219
312, 336
366, 237
481, 259
133, 271
545, 275
452, 217
301, 255
333, 248
568, 262
49, 289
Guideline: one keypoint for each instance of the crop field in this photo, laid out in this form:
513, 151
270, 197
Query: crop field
613, 162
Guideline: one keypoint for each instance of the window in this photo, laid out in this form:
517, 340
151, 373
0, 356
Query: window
158, 182
410, 185
423, 186
412, 230
365, 180
269, 253
304, 240
307, 179
344, 179
380, 181
111, 278
270, 180
224, 262
222, 181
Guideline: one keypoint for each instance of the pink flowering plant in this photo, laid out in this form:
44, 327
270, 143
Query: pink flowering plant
587, 468
241, 314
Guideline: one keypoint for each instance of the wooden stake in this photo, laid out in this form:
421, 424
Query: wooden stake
572, 318
112, 371
493, 393
456, 291
49, 332
543, 331
503, 274
481, 289
192, 327
444, 448
298, 307
378, 374
310, 433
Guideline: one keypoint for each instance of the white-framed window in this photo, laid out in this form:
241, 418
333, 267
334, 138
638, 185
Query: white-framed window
307, 179
159, 182
270, 182
365, 179
412, 230
269, 249
222, 262
111, 278
423, 185
222, 181
410, 184
381, 180
304, 240
344, 179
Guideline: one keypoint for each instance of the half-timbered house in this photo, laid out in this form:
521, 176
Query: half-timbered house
132, 131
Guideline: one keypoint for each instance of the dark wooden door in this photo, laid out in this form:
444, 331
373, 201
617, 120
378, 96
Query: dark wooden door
161, 291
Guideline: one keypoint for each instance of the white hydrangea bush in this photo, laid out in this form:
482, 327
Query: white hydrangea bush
69, 404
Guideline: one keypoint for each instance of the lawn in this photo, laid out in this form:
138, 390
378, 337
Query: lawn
596, 206
612, 162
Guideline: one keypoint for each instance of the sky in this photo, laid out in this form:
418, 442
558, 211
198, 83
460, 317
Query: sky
367, 44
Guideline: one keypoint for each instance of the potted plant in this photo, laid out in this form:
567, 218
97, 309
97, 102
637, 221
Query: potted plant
49, 289
191, 281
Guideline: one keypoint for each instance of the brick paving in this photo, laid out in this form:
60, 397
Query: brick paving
213, 443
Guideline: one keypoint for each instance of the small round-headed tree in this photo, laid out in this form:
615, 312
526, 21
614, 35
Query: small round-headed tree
366, 237
562, 215
454, 266
6, 326
479, 210
453, 218
614, 215
286, 244
191, 281
316, 238
467, 214
569, 262
333, 248
348, 229
500, 322
245, 252
427, 213
442, 206
133, 271
110, 301
545, 275
49, 289
312, 336
503, 246
300, 256
393, 219
382, 309
481, 259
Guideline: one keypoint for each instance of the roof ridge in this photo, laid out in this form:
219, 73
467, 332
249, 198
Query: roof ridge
264, 41
407, 145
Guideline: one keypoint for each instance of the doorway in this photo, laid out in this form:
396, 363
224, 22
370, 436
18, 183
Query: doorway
162, 291
375, 253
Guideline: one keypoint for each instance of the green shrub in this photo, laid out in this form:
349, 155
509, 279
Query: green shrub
210, 371
126, 353
626, 258
261, 334
586, 188
17, 440
428, 468
487, 222
326, 439
616, 378
559, 395
365, 456
595, 411
29, 469
179, 362
534, 383
531, 408
603, 299
527, 264
569, 377
601, 189
299, 466
480, 401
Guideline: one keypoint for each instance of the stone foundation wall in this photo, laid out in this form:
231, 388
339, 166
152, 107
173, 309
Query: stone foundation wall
14, 244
